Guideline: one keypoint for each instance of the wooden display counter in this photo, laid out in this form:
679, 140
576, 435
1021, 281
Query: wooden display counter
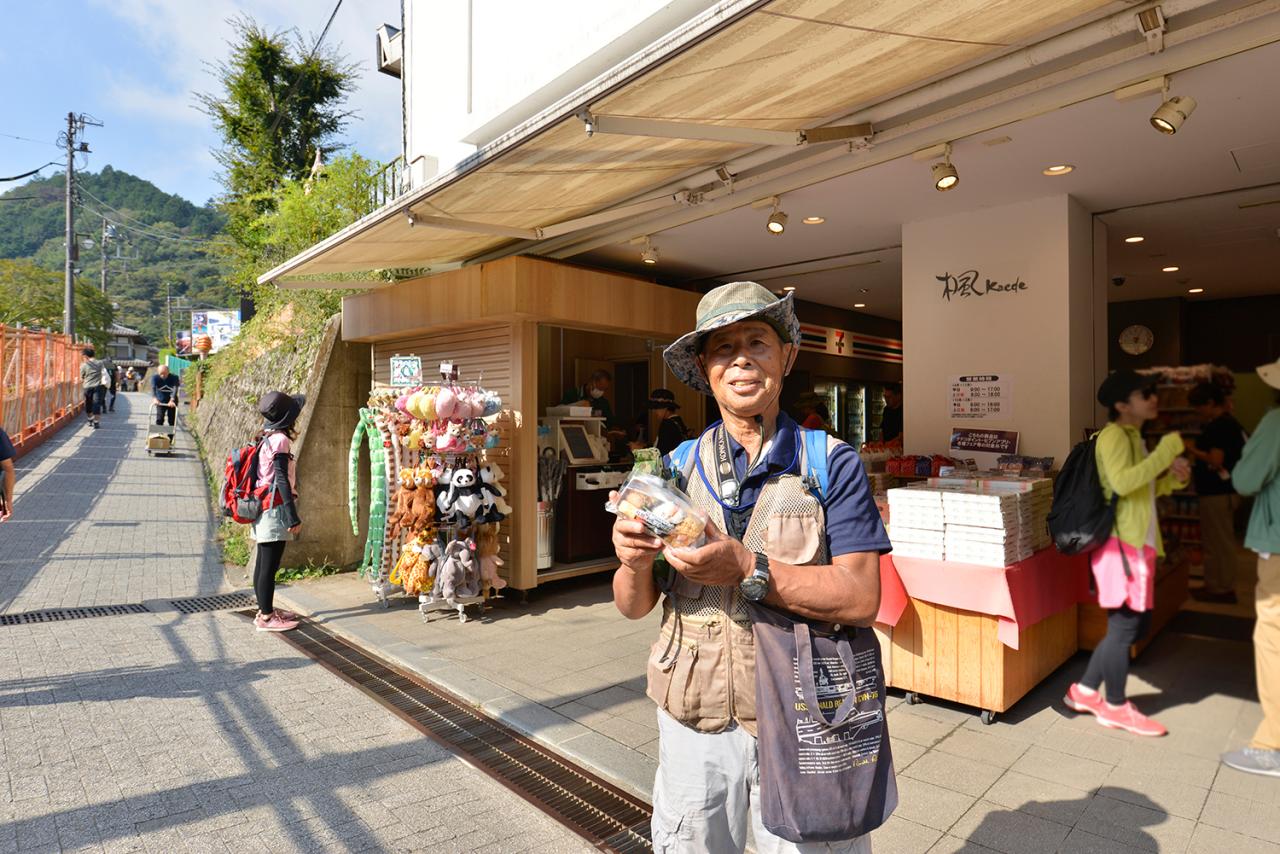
956, 655
1172, 590
977, 635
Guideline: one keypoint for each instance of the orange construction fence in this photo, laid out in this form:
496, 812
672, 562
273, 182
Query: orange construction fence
39, 384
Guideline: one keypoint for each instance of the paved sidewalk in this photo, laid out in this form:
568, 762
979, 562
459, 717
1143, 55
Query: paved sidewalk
569, 671
163, 732
98, 522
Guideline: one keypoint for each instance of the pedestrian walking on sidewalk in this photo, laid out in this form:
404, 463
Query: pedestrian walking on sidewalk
279, 522
1258, 473
109, 393
1124, 569
1216, 452
792, 551
7, 453
91, 382
164, 395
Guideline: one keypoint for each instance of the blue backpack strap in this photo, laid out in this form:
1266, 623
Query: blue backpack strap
815, 451
680, 460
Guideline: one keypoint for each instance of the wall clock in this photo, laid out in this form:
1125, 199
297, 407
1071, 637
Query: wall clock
1136, 339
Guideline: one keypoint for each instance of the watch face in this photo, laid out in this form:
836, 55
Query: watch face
1136, 340
755, 588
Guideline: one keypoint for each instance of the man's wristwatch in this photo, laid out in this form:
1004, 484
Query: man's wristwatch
756, 585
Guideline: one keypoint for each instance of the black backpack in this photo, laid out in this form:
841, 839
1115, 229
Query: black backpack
1081, 519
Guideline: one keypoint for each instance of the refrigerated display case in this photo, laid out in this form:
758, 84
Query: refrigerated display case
855, 409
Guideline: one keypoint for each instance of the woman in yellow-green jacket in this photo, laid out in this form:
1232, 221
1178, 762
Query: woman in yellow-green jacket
1124, 569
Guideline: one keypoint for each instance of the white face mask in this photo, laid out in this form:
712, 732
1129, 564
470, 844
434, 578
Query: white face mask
596, 393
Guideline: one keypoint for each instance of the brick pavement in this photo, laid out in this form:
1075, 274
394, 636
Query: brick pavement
165, 732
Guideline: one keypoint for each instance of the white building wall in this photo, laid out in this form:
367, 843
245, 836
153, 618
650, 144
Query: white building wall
474, 69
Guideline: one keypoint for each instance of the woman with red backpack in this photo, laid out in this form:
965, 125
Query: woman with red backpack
1124, 568
279, 522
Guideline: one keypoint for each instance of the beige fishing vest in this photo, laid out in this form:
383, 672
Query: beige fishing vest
702, 668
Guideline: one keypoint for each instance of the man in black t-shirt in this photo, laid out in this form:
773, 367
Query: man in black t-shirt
1216, 452
891, 419
164, 394
7, 453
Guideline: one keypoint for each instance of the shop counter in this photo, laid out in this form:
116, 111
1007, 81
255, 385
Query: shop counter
978, 635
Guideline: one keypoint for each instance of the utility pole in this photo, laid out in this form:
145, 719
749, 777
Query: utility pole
68, 285
168, 309
75, 124
103, 245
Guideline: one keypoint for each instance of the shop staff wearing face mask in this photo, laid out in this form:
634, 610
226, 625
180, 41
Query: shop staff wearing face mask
593, 392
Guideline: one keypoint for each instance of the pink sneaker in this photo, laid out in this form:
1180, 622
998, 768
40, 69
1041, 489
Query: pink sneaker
273, 623
287, 616
1128, 718
1081, 701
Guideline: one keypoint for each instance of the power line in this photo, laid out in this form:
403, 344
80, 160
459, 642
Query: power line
29, 174
29, 139
141, 226
141, 232
284, 102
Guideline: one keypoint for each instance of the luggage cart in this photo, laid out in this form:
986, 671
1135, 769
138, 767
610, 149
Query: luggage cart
160, 437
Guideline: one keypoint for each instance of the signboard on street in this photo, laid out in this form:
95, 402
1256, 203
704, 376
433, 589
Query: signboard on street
183, 345
221, 326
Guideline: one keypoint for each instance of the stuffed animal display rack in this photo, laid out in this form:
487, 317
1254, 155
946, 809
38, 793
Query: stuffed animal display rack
437, 499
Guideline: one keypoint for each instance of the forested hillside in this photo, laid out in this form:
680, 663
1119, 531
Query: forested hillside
156, 239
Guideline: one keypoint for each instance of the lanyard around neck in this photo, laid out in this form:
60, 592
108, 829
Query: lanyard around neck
727, 491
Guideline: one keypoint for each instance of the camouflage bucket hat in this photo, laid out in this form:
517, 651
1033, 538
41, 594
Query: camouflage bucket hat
728, 304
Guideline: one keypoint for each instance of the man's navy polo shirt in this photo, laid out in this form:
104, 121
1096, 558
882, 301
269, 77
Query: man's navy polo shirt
853, 521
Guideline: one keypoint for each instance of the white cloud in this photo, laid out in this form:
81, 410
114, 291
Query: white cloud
187, 38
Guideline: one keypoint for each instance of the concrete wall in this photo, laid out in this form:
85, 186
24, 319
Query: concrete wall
1042, 336
335, 377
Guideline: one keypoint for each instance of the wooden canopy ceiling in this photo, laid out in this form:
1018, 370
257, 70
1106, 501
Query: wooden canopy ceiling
791, 64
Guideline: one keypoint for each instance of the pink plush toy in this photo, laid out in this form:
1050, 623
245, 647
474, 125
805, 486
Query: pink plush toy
447, 404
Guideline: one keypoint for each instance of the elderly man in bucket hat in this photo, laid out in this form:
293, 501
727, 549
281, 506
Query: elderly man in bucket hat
816, 558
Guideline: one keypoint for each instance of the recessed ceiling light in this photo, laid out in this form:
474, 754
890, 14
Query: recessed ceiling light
1059, 169
1195, 290
859, 305
814, 220
1169, 269
1137, 238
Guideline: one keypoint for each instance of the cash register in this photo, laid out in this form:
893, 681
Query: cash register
584, 529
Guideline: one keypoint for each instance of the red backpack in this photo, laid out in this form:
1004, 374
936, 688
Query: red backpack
241, 499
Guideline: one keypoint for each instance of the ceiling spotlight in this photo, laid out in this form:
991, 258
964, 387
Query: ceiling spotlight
1172, 113
1137, 238
859, 305
1169, 269
1060, 169
777, 220
649, 254
945, 175
1195, 290
814, 220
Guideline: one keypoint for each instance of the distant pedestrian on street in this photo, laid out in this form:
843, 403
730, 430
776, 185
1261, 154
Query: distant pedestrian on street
110, 367
1124, 569
1258, 473
7, 453
1216, 452
279, 522
164, 394
91, 382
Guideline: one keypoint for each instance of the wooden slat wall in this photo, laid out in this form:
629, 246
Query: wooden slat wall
957, 655
483, 357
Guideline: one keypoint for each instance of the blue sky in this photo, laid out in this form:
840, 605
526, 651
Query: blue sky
134, 66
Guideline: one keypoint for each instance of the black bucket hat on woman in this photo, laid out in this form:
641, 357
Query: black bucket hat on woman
1117, 387
725, 305
663, 398
280, 410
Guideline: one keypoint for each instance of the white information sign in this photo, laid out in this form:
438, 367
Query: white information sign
982, 397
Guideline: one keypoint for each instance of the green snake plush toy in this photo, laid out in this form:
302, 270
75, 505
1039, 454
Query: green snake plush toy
367, 431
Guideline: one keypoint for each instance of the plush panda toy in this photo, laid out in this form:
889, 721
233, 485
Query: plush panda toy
464, 496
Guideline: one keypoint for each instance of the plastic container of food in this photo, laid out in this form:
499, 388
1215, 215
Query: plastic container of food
664, 510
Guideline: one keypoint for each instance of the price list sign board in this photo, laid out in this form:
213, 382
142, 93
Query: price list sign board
981, 397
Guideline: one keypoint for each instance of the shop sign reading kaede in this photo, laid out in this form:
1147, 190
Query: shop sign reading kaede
971, 284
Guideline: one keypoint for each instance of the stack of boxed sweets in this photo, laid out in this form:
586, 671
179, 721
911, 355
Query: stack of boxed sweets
916, 524
985, 520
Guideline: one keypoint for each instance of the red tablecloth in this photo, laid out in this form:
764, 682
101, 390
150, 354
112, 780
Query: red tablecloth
1020, 595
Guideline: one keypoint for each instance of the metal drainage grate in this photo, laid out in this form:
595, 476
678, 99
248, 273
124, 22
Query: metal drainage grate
223, 602
58, 615
608, 817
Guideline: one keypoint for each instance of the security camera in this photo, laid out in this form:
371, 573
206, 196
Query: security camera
1118, 281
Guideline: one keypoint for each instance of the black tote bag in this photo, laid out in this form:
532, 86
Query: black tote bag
826, 772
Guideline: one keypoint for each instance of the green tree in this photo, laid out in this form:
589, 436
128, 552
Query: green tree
32, 296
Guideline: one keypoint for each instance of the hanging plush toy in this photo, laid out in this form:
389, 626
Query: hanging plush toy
459, 575
492, 404
398, 519
463, 497
413, 570
453, 440
487, 548
447, 403
444, 478
493, 507
422, 511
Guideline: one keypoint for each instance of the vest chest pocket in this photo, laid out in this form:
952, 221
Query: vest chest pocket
794, 537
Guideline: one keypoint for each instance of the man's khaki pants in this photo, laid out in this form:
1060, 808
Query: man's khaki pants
1217, 531
1266, 652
